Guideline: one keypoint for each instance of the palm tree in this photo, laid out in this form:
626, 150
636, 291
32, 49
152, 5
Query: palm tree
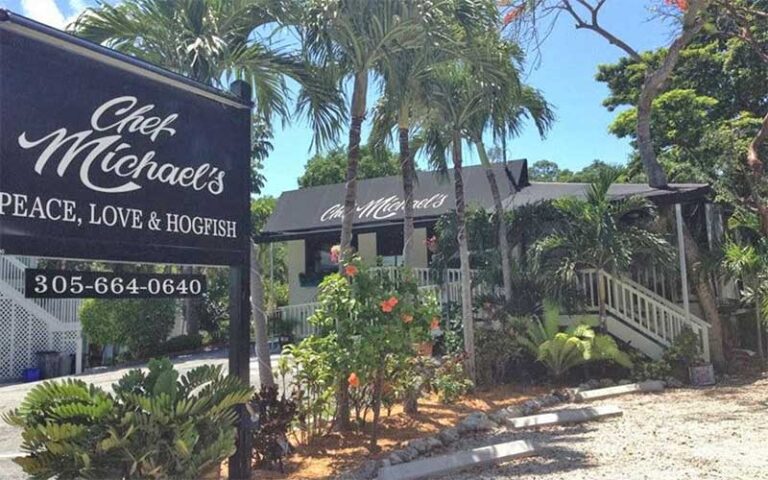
214, 42
351, 37
601, 233
508, 104
453, 98
402, 104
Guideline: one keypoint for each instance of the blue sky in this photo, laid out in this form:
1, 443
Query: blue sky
565, 73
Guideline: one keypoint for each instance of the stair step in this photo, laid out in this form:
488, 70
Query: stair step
601, 393
561, 417
445, 464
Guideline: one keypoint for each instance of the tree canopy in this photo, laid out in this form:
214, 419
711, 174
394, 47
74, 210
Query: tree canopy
329, 168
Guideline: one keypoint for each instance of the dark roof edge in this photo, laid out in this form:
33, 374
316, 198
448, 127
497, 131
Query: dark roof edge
68, 41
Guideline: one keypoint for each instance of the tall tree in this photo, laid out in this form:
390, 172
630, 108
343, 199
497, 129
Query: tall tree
449, 26
586, 15
507, 105
330, 167
454, 98
349, 38
215, 42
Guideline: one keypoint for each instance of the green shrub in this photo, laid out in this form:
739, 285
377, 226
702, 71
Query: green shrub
154, 426
450, 381
182, 343
140, 325
577, 345
684, 352
498, 351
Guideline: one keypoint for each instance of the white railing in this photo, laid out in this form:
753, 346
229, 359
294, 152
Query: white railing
642, 309
654, 278
423, 276
12, 272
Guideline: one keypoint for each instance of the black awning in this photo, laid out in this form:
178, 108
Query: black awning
380, 201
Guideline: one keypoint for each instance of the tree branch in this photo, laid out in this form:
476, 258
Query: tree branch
595, 26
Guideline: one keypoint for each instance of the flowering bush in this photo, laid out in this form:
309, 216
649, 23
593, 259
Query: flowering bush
378, 320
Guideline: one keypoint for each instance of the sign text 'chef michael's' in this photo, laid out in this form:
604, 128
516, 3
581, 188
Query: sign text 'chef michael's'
102, 149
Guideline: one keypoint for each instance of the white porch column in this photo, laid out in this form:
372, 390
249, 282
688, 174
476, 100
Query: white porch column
79, 351
366, 247
681, 255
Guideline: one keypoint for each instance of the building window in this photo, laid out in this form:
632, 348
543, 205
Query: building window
389, 247
317, 254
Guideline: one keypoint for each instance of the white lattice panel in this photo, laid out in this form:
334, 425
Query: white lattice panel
26, 328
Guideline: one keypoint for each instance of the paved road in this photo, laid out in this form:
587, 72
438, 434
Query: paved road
12, 395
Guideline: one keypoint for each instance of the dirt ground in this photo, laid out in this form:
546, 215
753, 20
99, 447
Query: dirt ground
337, 453
698, 434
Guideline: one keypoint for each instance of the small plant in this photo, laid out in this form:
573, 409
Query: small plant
156, 425
275, 414
498, 351
577, 345
451, 382
310, 367
684, 352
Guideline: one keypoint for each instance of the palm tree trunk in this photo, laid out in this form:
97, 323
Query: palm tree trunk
506, 262
601, 300
260, 319
353, 157
408, 172
191, 308
466, 273
347, 220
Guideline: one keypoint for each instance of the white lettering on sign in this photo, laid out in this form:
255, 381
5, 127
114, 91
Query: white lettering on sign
103, 148
384, 207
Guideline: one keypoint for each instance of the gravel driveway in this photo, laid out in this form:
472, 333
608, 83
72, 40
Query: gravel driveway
697, 434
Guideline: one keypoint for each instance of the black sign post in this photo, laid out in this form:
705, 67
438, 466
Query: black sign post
105, 157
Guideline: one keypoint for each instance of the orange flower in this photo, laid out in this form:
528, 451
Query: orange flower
354, 382
407, 318
351, 270
682, 5
435, 324
513, 14
388, 305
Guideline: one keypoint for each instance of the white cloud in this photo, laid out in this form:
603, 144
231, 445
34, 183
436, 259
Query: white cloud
45, 11
48, 12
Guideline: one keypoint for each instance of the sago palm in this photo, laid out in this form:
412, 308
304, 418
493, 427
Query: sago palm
602, 233
561, 351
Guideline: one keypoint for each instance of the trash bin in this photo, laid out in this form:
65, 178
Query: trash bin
48, 363
66, 364
31, 374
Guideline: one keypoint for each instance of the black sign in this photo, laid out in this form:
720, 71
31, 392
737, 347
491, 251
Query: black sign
104, 159
69, 284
